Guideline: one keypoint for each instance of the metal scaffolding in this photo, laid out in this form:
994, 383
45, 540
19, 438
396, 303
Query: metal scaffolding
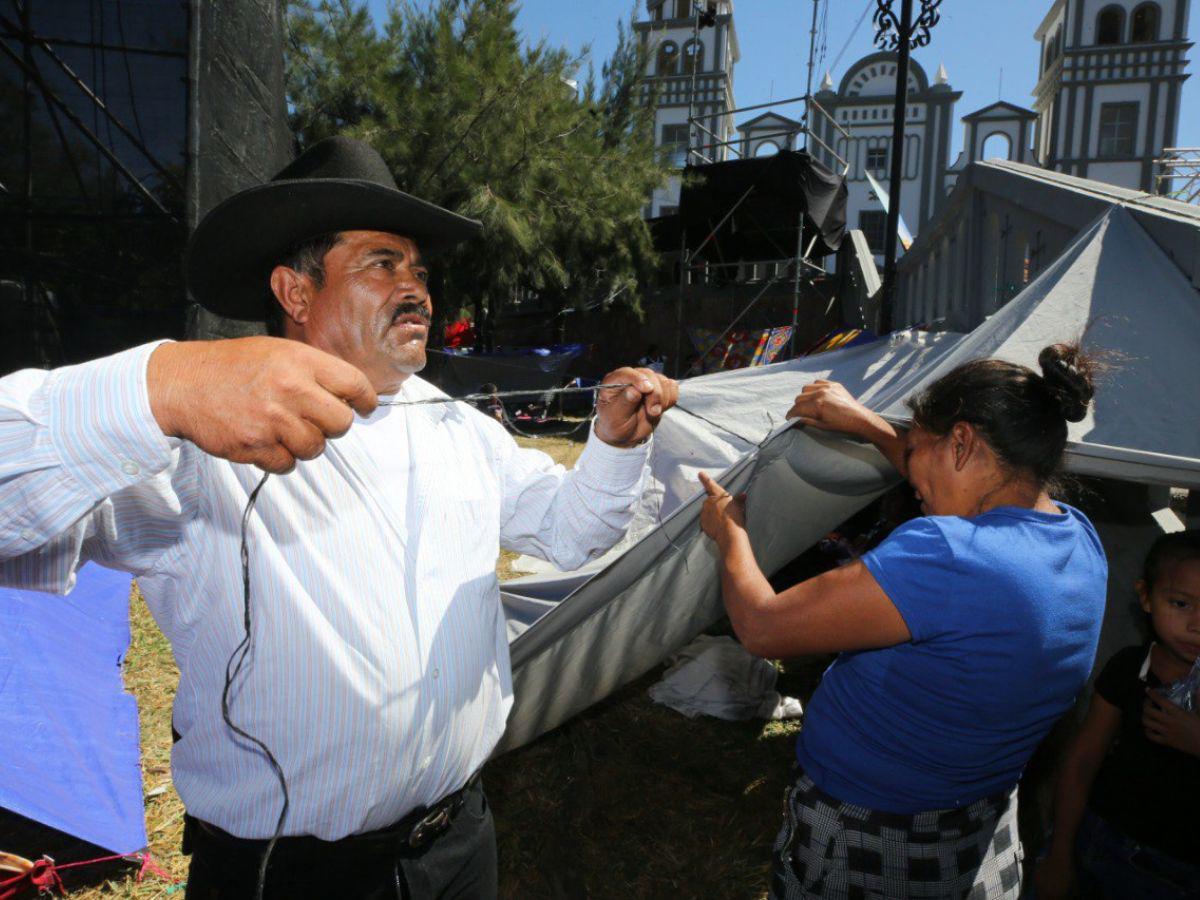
796, 263
91, 189
1178, 173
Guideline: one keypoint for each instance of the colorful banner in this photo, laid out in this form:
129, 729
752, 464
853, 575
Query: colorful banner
737, 349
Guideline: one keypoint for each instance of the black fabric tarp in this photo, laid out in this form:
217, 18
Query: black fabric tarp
239, 117
778, 190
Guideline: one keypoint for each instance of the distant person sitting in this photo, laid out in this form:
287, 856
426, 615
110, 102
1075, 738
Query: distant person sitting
492, 406
1125, 816
653, 360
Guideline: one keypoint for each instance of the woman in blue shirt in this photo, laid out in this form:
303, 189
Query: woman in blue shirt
963, 637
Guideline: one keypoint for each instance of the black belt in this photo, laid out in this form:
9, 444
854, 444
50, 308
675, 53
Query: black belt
414, 832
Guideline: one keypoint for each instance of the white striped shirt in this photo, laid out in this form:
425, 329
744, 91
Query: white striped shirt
379, 676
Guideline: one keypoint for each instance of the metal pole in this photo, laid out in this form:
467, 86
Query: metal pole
887, 299
683, 254
796, 282
812, 49
694, 63
683, 277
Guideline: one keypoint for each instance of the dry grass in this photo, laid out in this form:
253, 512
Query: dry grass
627, 800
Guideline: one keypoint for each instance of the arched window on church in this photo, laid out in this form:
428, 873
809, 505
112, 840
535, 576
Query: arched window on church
693, 57
1110, 25
668, 58
1143, 28
766, 148
997, 146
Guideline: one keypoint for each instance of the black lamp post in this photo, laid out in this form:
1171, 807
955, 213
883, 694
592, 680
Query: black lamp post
900, 33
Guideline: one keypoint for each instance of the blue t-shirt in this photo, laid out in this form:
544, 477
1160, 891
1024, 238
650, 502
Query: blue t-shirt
1004, 610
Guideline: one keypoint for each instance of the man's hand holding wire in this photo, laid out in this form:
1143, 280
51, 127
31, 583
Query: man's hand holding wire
627, 417
261, 400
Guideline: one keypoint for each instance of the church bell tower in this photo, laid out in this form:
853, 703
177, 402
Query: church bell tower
693, 48
1108, 93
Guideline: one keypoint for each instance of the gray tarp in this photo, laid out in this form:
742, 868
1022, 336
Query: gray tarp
575, 638
655, 592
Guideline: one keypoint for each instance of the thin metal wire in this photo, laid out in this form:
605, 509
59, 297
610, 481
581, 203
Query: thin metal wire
500, 395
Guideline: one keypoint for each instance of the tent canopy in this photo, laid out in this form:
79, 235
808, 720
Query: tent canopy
1117, 291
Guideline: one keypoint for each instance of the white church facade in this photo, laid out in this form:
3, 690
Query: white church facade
862, 106
1107, 100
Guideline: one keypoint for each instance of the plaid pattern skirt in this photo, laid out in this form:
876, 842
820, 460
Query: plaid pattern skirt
839, 851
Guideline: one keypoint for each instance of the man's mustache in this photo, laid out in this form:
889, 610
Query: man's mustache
412, 308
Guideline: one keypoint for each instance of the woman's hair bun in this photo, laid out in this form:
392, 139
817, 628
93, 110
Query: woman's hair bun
1068, 374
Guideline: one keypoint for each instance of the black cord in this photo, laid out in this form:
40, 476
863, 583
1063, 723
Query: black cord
232, 670
237, 658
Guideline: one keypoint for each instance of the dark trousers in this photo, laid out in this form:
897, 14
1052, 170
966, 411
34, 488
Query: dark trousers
461, 864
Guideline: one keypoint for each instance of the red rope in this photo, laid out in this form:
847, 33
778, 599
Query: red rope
45, 878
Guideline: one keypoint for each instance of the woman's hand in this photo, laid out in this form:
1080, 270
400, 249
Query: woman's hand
828, 405
722, 510
1165, 723
1055, 878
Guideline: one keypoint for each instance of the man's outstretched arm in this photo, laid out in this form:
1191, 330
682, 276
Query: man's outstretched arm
72, 439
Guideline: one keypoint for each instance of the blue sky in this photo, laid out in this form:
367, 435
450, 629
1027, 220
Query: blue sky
987, 55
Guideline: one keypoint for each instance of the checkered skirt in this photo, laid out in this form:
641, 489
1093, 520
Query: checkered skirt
839, 851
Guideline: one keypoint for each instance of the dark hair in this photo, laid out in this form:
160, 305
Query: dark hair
1170, 548
1022, 415
307, 258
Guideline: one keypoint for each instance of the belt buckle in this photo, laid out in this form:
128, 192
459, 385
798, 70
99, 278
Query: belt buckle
434, 823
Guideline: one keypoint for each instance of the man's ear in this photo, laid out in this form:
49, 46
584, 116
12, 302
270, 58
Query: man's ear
293, 291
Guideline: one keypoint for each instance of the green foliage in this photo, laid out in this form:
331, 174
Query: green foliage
471, 118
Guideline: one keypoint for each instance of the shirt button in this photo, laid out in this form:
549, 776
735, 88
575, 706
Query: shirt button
436, 672
425, 763
27, 534
129, 467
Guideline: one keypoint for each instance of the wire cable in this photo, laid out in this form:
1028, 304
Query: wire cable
233, 668
853, 32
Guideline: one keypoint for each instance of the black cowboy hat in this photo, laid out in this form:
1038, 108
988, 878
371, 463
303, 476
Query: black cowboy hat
338, 184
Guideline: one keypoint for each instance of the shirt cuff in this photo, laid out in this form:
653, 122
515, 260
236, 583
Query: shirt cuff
101, 424
615, 470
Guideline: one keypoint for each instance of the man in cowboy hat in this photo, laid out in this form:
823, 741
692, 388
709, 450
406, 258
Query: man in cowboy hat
378, 679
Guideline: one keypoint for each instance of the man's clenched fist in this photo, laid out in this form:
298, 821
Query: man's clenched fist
261, 400
628, 416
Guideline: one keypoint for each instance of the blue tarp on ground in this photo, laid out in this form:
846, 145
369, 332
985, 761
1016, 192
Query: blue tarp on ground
68, 730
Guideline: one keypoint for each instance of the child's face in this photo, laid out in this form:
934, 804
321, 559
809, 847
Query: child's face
1174, 608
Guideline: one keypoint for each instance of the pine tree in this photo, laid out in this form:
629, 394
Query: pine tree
469, 118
